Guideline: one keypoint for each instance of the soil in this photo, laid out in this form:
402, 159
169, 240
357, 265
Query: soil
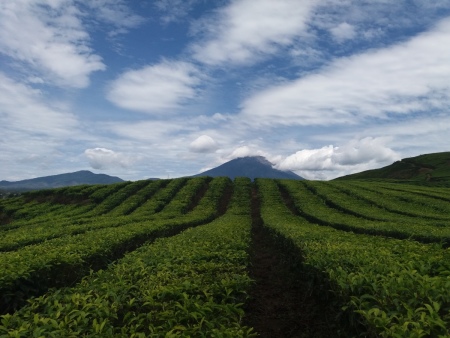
198, 196
225, 200
281, 300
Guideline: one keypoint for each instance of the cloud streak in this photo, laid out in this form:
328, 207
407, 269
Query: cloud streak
245, 31
410, 77
116, 14
322, 87
52, 43
343, 32
32, 130
22, 108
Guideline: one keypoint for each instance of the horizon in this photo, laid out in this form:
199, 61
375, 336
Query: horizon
102, 173
173, 88
192, 175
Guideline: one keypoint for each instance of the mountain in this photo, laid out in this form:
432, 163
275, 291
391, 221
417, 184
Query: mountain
429, 168
252, 167
61, 180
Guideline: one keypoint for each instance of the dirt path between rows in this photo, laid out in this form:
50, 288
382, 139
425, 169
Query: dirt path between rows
281, 304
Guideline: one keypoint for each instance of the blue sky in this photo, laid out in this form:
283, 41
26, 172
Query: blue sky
169, 88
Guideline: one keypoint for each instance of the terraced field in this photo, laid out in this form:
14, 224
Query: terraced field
204, 257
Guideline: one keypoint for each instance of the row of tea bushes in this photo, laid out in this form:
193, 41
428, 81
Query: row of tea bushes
395, 288
192, 284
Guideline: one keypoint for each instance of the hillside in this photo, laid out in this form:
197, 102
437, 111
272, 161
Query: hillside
61, 180
251, 167
428, 169
204, 257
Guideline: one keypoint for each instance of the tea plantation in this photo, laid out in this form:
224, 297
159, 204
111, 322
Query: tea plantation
179, 258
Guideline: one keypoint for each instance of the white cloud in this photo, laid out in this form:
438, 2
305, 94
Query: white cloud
418, 127
251, 150
400, 91
167, 136
245, 30
32, 130
366, 150
155, 133
343, 32
101, 158
306, 55
35, 80
203, 144
174, 10
220, 117
379, 17
356, 155
406, 78
419, 135
309, 159
49, 38
24, 109
116, 13
157, 88
244, 151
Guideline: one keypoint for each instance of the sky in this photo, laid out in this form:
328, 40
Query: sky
169, 88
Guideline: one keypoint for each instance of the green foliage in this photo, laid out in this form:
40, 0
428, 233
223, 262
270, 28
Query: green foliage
161, 198
380, 248
364, 213
396, 288
429, 169
193, 284
133, 200
66, 251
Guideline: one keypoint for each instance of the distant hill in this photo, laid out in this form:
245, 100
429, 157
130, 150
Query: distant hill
61, 180
433, 169
252, 167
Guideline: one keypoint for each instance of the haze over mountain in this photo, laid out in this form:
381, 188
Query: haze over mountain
61, 180
252, 167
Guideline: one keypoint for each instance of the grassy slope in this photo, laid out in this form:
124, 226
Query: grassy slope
430, 169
